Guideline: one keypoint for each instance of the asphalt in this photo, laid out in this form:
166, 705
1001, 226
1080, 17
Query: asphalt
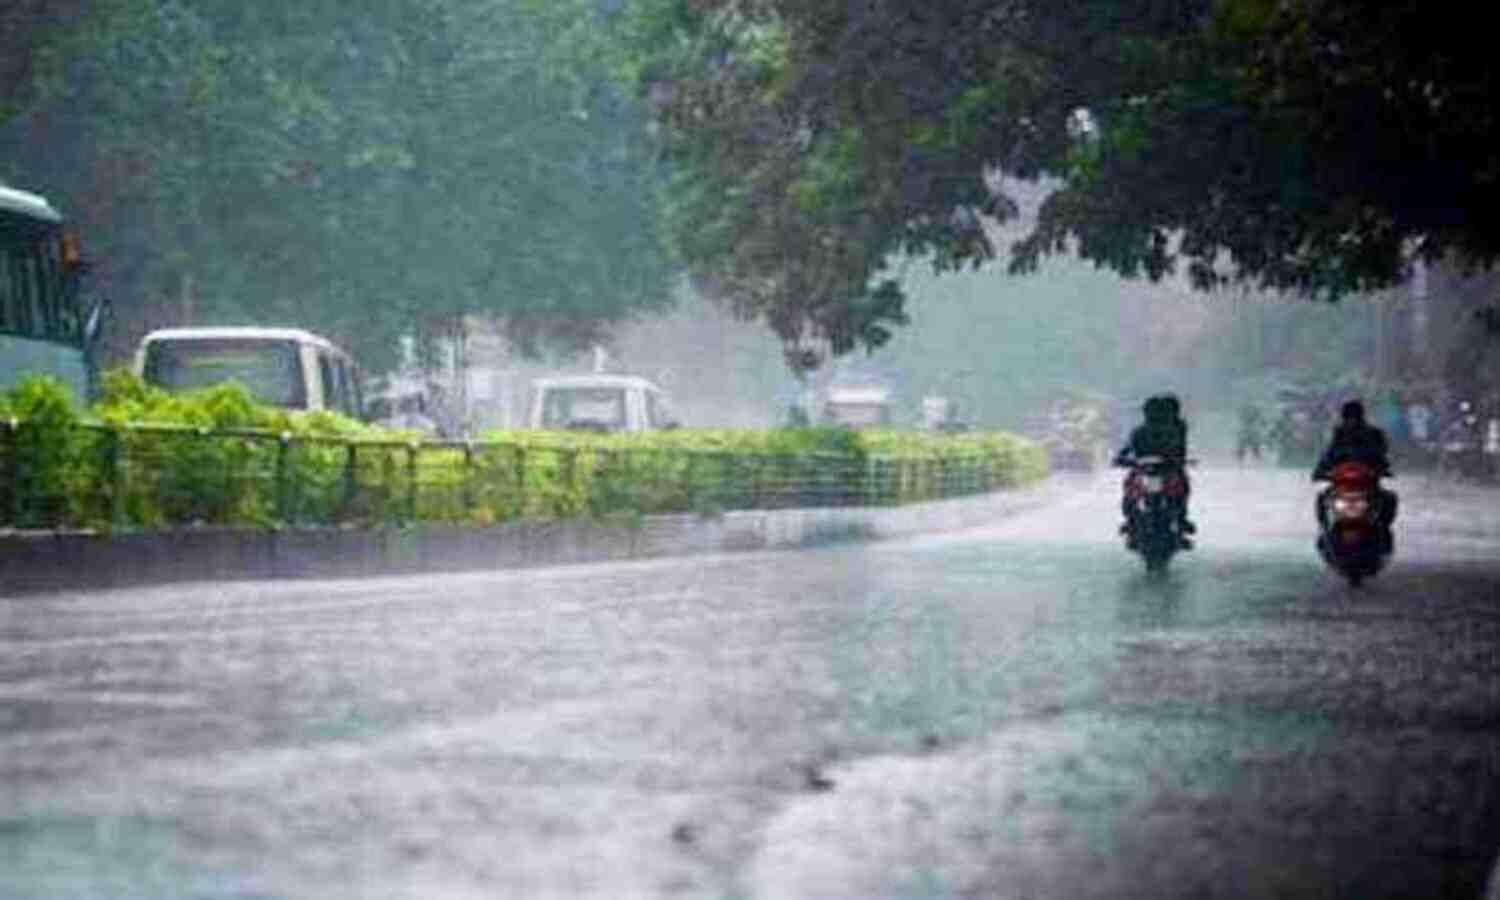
1014, 710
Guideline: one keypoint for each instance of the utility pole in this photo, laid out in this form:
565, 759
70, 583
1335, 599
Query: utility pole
1419, 310
1382, 338
461, 373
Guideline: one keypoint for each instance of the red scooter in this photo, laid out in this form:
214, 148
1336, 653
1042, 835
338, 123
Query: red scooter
1355, 538
1153, 492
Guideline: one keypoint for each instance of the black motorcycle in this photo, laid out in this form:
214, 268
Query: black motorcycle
1154, 491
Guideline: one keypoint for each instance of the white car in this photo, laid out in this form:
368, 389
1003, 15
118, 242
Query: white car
857, 407
285, 367
600, 403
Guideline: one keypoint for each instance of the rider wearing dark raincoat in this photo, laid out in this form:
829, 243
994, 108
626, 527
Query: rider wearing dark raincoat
1163, 434
1355, 440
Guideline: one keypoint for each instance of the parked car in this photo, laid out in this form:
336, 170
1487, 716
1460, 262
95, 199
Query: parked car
285, 367
600, 403
861, 406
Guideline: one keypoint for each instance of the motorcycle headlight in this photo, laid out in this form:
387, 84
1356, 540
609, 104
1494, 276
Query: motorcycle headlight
1350, 506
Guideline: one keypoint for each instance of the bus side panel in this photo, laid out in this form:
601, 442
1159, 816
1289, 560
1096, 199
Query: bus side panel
20, 357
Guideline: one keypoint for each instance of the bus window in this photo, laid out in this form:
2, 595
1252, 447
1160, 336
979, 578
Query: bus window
49, 302
31, 291
8, 294
20, 289
34, 291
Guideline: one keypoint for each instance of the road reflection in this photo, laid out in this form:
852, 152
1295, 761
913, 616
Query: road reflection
1152, 600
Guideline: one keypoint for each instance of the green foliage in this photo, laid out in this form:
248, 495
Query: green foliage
40, 476
366, 176
915, 465
31, 34
127, 400
384, 174
147, 459
41, 399
152, 459
1307, 147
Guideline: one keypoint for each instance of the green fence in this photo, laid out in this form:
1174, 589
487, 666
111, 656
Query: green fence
78, 475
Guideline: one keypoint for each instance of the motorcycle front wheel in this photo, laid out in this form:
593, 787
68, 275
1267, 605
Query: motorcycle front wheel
1158, 541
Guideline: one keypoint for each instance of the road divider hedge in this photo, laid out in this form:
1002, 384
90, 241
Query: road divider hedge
142, 458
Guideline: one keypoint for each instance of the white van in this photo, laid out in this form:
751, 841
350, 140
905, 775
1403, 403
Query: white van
866, 406
600, 403
285, 367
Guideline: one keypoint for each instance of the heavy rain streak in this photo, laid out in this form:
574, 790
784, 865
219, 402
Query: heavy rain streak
741, 448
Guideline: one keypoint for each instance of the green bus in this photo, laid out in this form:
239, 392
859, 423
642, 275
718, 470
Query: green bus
44, 329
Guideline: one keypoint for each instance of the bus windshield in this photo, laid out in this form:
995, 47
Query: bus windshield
269, 369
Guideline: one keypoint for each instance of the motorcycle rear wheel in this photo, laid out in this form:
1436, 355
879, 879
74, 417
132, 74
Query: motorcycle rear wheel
1157, 549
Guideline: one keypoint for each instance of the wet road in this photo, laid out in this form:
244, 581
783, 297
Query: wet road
1015, 711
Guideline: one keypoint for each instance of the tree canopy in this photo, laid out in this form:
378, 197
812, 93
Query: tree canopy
548, 162
31, 34
1315, 146
369, 174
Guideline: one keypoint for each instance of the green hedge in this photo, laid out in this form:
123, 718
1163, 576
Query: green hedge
145, 459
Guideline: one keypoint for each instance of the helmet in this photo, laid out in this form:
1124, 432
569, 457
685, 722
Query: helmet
1352, 411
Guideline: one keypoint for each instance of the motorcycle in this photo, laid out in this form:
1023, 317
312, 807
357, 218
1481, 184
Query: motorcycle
1354, 540
1154, 490
1461, 446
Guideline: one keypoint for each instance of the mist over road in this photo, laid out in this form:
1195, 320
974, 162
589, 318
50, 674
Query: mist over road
1003, 712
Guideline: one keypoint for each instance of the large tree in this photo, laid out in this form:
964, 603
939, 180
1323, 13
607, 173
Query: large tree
31, 35
1307, 145
370, 173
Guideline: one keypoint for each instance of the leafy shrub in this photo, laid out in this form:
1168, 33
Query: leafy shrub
42, 472
146, 458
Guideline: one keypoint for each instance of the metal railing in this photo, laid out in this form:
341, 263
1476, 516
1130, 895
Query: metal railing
160, 476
